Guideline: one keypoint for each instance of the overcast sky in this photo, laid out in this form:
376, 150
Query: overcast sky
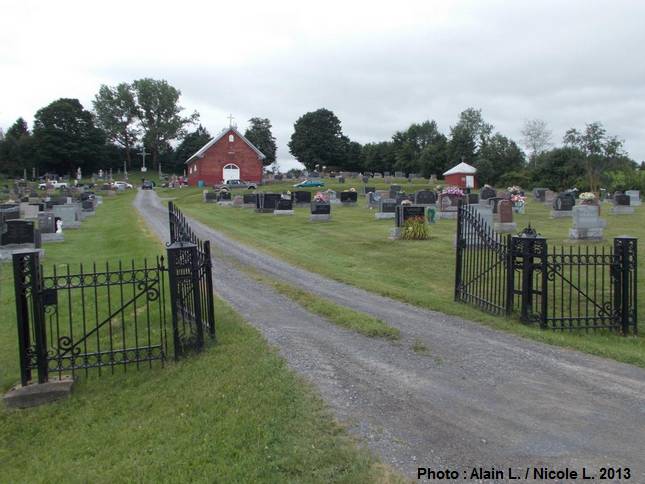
379, 66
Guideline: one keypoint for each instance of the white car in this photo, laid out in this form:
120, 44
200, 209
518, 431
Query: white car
123, 185
52, 184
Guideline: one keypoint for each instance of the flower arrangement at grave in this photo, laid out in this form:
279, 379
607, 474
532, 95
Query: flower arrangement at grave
514, 190
415, 228
452, 190
320, 197
587, 198
352, 189
518, 202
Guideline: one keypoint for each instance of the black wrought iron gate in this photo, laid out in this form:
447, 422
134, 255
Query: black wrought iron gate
560, 288
113, 315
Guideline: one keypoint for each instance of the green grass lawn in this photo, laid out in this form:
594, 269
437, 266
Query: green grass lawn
234, 413
354, 248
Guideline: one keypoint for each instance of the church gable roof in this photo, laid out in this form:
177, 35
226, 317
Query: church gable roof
224, 132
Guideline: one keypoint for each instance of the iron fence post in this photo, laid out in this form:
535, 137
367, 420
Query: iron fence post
210, 310
185, 301
459, 247
531, 248
625, 251
510, 274
28, 284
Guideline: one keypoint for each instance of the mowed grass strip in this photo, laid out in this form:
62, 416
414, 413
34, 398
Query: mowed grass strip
233, 413
354, 248
342, 316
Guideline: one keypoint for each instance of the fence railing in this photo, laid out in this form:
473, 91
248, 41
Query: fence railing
103, 317
559, 288
191, 284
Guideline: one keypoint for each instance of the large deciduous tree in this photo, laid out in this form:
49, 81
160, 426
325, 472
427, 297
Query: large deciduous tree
600, 152
318, 139
468, 135
160, 114
498, 156
420, 149
259, 133
191, 143
536, 137
116, 112
16, 148
65, 137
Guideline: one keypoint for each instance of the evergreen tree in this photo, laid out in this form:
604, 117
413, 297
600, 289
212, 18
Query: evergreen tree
259, 133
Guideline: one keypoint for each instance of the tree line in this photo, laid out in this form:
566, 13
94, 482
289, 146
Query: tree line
146, 115
125, 119
587, 158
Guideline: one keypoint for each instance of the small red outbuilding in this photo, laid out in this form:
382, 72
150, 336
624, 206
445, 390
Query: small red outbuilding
462, 176
228, 156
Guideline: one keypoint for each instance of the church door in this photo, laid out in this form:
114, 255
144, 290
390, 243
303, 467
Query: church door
231, 172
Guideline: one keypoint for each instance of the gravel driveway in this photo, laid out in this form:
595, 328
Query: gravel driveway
479, 398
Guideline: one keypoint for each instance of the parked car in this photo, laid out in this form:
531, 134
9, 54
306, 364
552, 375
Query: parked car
232, 184
147, 185
123, 185
52, 184
309, 184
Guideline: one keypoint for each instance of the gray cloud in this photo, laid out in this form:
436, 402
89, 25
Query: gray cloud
567, 63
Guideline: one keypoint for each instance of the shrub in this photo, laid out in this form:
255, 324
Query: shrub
415, 229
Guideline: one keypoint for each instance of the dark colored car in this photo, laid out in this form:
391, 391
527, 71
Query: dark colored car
147, 185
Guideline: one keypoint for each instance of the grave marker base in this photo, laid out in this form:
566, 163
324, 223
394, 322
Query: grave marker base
447, 215
225, 203
326, 217
586, 234
7, 251
283, 212
384, 215
622, 210
52, 237
505, 228
561, 213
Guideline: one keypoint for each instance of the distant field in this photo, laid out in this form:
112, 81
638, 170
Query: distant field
354, 248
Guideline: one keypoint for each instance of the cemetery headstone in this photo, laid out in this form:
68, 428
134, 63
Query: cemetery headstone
587, 224
267, 202
404, 213
549, 197
448, 205
493, 202
425, 197
486, 193
472, 199
249, 200
386, 209
331, 196
365, 178
68, 214
301, 198
320, 211
28, 211
399, 174
341, 179
284, 206
209, 197
20, 232
563, 205
539, 194
238, 201
622, 205
349, 198
635, 197
8, 212
373, 199
367, 190
504, 217
49, 228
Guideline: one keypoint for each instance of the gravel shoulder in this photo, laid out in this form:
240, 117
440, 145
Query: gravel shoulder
480, 397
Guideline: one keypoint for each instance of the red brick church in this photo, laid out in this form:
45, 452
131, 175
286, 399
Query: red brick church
228, 156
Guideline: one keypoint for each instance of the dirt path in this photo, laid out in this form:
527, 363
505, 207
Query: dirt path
481, 398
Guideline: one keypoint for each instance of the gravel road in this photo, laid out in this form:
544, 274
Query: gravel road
479, 398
